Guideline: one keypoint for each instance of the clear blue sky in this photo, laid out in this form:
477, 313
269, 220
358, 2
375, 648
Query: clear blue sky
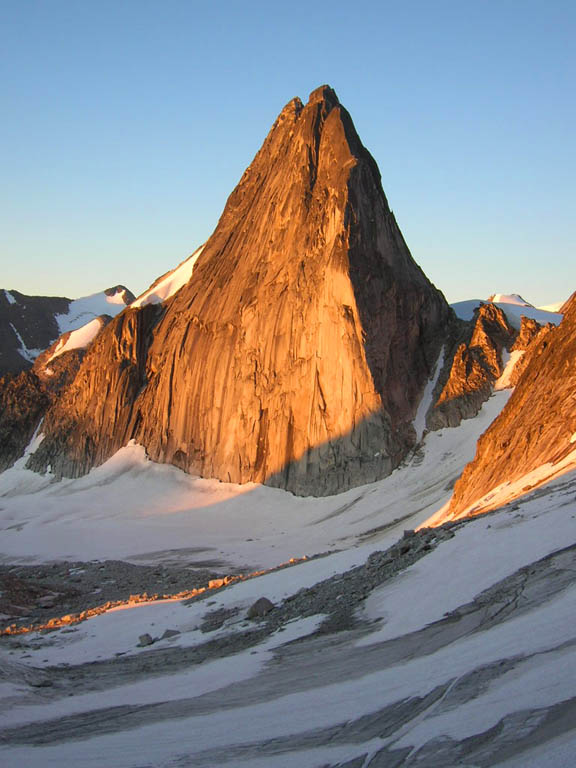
125, 124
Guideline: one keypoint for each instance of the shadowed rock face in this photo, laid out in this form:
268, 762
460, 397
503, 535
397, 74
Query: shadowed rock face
23, 401
93, 416
29, 321
24, 398
475, 366
538, 422
297, 352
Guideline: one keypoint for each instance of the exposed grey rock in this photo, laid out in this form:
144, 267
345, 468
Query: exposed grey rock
145, 639
260, 608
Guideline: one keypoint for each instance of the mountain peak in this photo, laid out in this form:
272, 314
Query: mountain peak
324, 94
295, 354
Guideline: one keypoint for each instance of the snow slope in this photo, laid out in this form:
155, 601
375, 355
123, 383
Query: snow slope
167, 285
458, 665
513, 307
510, 298
133, 509
28, 354
457, 658
556, 307
78, 339
83, 310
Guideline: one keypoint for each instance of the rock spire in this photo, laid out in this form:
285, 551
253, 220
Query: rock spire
297, 352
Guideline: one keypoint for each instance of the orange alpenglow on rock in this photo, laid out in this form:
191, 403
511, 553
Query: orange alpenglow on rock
297, 352
536, 427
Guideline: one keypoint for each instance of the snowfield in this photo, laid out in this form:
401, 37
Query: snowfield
456, 655
78, 339
513, 307
167, 285
84, 310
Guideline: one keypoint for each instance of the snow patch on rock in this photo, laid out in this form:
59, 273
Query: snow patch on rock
167, 285
82, 311
78, 339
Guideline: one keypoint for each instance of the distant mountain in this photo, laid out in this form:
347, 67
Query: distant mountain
30, 324
514, 307
509, 298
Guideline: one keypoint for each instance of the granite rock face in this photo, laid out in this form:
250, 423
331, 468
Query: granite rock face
471, 372
537, 424
93, 413
297, 352
529, 336
25, 398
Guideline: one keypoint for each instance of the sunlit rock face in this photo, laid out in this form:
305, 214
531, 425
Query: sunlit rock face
537, 425
476, 364
297, 352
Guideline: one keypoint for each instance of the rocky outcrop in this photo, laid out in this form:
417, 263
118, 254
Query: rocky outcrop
568, 303
94, 414
470, 373
538, 423
297, 352
57, 366
25, 398
531, 332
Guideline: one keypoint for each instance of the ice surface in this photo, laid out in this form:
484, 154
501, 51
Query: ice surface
254, 708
